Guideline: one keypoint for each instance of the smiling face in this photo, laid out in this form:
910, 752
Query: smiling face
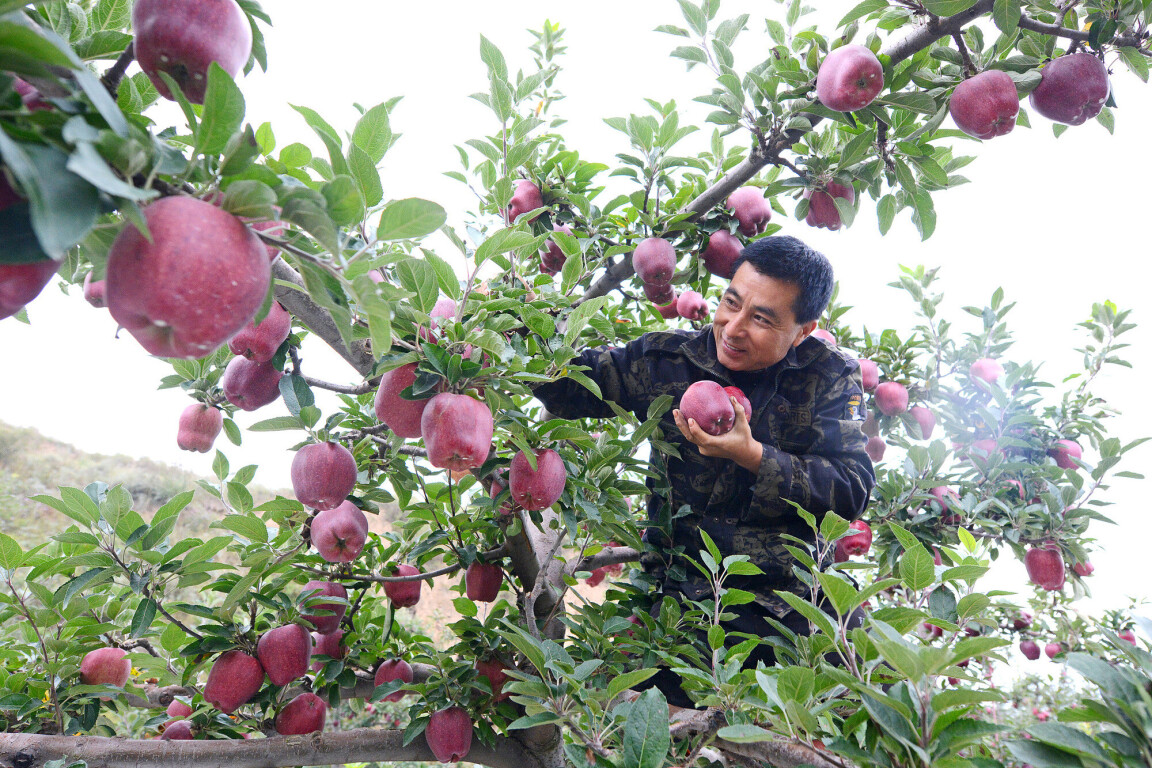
754, 326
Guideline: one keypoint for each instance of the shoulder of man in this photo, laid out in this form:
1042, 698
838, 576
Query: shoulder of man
826, 361
662, 342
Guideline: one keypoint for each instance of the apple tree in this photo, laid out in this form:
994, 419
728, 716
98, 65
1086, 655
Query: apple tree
223, 251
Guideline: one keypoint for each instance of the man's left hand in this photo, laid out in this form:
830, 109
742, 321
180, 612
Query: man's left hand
737, 444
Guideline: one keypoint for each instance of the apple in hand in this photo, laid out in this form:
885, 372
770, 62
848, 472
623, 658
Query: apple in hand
751, 209
690, 305
184, 37
1030, 649
199, 426
709, 406
400, 415
482, 581
259, 341
404, 594
1045, 566
822, 211
742, 399
249, 385
194, 286
330, 622
449, 734
891, 398
304, 714
339, 534
234, 679
323, 474
849, 78
540, 488
654, 261
985, 106
724, 248
869, 374
1072, 88
393, 669
457, 431
284, 652
1065, 452
105, 666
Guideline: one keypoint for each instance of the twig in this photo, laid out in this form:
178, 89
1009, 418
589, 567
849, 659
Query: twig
111, 79
344, 389
969, 67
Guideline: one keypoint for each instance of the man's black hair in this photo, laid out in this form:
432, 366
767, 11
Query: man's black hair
790, 260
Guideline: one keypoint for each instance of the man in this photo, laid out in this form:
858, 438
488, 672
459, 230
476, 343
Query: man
801, 443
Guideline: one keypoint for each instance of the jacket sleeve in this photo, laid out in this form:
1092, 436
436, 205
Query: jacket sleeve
609, 367
833, 474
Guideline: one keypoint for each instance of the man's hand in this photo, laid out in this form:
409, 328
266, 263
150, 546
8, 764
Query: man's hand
737, 444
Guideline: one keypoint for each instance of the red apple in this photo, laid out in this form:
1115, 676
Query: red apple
540, 488
942, 496
330, 645
875, 448
235, 678
105, 666
668, 311
822, 211
724, 248
482, 581
457, 431
184, 37
596, 576
177, 708
20, 283
654, 261
400, 415
751, 209
1065, 452
178, 730
1051, 650
199, 281
443, 309
284, 652
339, 534
526, 197
327, 623
1072, 88
824, 335
1045, 566
393, 669
199, 426
1030, 649
249, 385
404, 594
870, 373
449, 734
985, 447
708, 405
30, 95
494, 669
856, 543
552, 258
1022, 621
891, 398
276, 228
1084, 568
304, 714
661, 295
849, 78
741, 398
94, 292
323, 474
690, 305
985, 106
1128, 635
259, 341
924, 419
987, 370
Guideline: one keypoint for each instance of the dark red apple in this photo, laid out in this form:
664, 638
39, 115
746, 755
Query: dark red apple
284, 652
724, 248
184, 37
751, 209
690, 305
1030, 649
924, 419
94, 292
875, 448
276, 228
177, 708
654, 261
552, 258
1051, 650
849, 78
178, 730
339, 534
1072, 88
393, 669
525, 197
457, 431
330, 644
855, 543
1084, 568
199, 426
404, 594
985, 106
402, 416
1022, 621
449, 734
105, 666
1045, 566
327, 623
304, 714
323, 474
199, 281
869, 373
249, 385
259, 341
30, 95
891, 398
540, 488
1065, 452
822, 211
668, 311
661, 295
741, 398
494, 670
235, 678
20, 283
482, 581
708, 405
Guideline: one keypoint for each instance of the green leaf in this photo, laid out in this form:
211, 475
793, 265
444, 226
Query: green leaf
502, 241
252, 199
947, 7
917, 568
1006, 15
409, 219
885, 213
277, 423
248, 526
862, 10
366, 175
11, 555
223, 113
328, 135
419, 277
621, 683
445, 276
579, 317
308, 209
345, 204
745, 733
1135, 60
493, 59
647, 734
915, 101
1068, 739
1042, 755
143, 617
373, 133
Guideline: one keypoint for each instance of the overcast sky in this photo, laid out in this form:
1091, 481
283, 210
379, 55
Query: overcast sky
1059, 223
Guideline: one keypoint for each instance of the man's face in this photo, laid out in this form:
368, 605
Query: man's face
754, 326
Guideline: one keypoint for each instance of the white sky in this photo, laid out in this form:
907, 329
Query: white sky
1058, 223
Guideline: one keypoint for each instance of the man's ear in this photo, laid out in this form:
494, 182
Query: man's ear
805, 329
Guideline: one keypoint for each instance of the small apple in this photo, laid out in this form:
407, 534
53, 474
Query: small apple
404, 594
20, 283
329, 622
654, 261
870, 373
751, 209
1030, 649
482, 581
849, 78
284, 652
1084, 568
235, 678
875, 448
494, 670
742, 399
984, 448
443, 309
249, 385
986, 370
822, 211
891, 398
1022, 621
540, 488
855, 543
596, 576
1051, 650
985, 106
449, 734
30, 95
552, 258
339, 534
1072, 88
668, 311
177, 708
304, 714
1066, 452
825, 336
924, 419
259, 341
179, 730
94, 292
1045, 566
1128, 635
724, 248
330, 644
184, 37
105, 666
661, 295
457, 431
393, 669
400, 415
199, 426
323, 474
709, 406
525, 197
690, 305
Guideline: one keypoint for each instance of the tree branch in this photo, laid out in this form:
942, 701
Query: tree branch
1134, 41
296, 300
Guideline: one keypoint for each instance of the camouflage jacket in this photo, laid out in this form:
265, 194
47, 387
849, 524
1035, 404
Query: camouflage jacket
807, 410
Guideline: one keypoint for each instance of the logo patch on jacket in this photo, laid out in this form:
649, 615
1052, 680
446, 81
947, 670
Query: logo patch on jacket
856, 408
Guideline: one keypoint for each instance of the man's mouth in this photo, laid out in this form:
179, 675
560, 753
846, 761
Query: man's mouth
729, 348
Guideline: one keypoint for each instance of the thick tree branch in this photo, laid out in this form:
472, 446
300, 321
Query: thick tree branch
606, 556
294, 297
1134, 41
